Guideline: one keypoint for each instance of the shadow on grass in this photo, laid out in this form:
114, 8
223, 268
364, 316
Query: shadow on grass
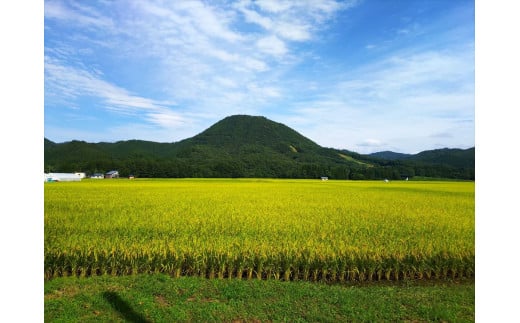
121, 306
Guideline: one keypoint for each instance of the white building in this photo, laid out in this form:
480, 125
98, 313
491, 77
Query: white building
112, 174
81, 175
62, 177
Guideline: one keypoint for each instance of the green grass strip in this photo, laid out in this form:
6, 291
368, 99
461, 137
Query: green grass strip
161, 298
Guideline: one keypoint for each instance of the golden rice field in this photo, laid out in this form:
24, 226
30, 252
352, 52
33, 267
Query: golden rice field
269, 229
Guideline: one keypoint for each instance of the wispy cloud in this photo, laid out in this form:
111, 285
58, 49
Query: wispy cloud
407, 93
272, 45
198, 51
371, 143
75, 83
290, 20
173, 68
77, 14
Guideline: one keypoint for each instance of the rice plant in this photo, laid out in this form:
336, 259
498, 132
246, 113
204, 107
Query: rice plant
264, 229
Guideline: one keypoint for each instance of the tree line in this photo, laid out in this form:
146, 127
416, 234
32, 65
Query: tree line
259, 167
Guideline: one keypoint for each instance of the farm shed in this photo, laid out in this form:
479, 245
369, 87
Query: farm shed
81, 175
112, 174
62, 177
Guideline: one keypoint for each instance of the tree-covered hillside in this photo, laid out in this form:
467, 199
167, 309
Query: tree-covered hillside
451, 157
237, 146
389, 155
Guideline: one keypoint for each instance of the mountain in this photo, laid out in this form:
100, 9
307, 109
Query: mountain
446, 156
243, 137
236, 146
235, 131
389, 155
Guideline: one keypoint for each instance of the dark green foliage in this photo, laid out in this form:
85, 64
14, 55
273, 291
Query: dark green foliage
449, 157
461, 158
389, 155
247, 146
438, 163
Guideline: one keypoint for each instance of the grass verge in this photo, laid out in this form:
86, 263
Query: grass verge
160, 298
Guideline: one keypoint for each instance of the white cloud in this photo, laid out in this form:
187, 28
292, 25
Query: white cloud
209, 67
291, 20
442, 135
255, 18
272, 45
413, 83
80, 83
274, 6
408, 98
373, 143
77, 82
293, 31
165, 118
225, 82
208, 20
80, 15
190, 43
263, 91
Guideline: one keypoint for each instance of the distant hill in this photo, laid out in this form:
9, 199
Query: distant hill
447, 156
238, 146
389, 155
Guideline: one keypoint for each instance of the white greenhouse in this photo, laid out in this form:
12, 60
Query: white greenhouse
62, 177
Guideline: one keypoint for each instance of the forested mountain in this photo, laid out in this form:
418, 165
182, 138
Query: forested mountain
244, 146
446, 156
389, 155
464, 158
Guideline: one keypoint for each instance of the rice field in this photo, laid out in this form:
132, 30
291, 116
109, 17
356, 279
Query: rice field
308, 230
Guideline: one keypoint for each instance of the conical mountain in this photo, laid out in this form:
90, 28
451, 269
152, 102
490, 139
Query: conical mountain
238, 132
254, 146
253, 139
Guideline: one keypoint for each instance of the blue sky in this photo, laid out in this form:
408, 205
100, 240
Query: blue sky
365, 76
